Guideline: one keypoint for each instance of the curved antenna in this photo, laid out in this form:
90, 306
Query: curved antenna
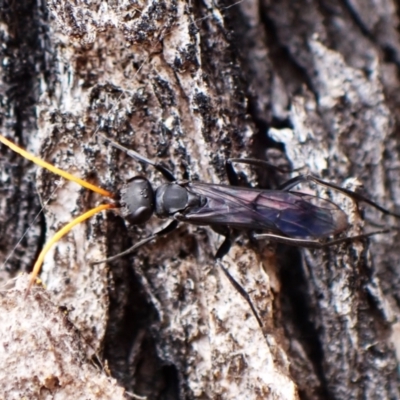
54, 169
62, 232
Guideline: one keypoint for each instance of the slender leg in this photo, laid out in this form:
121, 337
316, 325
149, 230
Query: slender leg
168, 175
221, 252
169, 228
241, 291
358, 197
261, 163
232, 175
314, 244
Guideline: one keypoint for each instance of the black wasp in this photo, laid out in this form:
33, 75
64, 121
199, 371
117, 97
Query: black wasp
287, 216
282, 215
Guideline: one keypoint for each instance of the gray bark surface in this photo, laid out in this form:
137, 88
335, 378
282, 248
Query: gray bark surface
311, 85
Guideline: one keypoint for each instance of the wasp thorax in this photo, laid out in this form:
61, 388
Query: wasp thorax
172, 198
137, 200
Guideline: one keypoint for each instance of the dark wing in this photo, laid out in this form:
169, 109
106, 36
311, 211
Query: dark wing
292, 214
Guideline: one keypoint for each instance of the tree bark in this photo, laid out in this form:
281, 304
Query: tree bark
311, 85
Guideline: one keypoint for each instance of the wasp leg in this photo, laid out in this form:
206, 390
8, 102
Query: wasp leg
358, 197
232, 175
241, 291
261, 163
169, 228
168, 175
315, 244
221, 252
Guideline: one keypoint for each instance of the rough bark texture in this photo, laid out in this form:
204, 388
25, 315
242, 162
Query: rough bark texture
312, 84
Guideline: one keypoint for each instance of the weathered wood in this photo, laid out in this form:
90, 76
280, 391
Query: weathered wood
189, 85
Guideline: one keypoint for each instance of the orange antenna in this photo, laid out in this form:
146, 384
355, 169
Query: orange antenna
63, 231
54, 169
